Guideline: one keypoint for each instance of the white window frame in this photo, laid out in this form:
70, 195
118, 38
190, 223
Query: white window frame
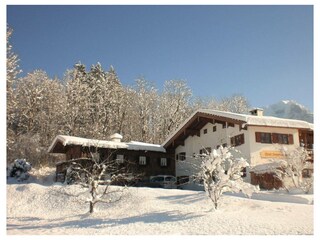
142, 160
163, 162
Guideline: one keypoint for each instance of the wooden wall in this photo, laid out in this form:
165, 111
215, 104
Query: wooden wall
265, 181
131, 160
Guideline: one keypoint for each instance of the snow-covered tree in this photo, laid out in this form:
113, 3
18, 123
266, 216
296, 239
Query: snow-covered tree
76, 92
39, 103
94, 102
13, 71
110, 100
143, 108
291, 169
236, 103
222, 172
97, 178
38, 116
174, 108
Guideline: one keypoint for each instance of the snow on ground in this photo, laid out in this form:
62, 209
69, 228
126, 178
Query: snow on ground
41, 208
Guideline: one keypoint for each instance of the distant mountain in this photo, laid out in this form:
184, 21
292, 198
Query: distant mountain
289, 109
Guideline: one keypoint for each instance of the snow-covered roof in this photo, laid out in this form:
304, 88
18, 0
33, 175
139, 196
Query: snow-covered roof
133, 145
267, 167
246, 119
85, 142
261, 120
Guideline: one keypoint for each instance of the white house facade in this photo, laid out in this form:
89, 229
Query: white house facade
259, 138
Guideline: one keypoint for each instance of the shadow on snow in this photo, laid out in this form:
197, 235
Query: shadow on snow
85, 221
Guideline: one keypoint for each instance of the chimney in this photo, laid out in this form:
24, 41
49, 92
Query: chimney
116, 137
257, 112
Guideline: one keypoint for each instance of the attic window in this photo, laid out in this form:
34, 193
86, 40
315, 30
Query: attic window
214, 129
205, 131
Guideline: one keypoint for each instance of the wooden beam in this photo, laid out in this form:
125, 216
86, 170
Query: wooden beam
176, 143
192, 132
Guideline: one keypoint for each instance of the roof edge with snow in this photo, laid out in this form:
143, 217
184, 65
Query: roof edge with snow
85, 142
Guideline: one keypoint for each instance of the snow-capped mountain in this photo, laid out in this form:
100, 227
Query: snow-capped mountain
289, 109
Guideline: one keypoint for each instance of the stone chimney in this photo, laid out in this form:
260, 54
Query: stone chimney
257, 112
116, 137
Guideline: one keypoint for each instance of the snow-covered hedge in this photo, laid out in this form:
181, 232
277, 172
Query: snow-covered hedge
19, 169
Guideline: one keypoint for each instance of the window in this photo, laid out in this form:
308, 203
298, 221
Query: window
182, 180
214, 129
142, 160
223, 145
237, 140
266, 137
181, 156
163, 162
206, 150
282, 138
274, 138
263, 137
224, 125
120, 159
244, 172
205, 131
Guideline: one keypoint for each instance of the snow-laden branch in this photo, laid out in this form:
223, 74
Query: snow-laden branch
222, 172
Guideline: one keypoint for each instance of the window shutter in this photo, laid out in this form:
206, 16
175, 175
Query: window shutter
258, 136
242, 138
290, 137
232, 141
275, 138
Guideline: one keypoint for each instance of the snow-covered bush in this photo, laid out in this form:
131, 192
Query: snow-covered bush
222, 172
291, 170
19, 169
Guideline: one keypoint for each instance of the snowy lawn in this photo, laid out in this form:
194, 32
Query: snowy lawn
35, 208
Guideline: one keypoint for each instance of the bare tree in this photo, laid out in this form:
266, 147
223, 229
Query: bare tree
98, 177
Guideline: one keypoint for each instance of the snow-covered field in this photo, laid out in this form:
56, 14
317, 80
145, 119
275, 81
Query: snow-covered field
41, 208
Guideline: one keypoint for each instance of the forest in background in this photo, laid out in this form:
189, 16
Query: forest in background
94, 104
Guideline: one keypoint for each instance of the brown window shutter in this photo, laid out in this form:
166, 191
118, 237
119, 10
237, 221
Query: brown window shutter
242, 138
232, 141
290, 137
258, 136
274, 137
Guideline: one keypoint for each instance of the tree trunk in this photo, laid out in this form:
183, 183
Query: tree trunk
91, 207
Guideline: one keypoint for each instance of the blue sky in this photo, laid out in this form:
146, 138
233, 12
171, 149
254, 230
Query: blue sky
262, 52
